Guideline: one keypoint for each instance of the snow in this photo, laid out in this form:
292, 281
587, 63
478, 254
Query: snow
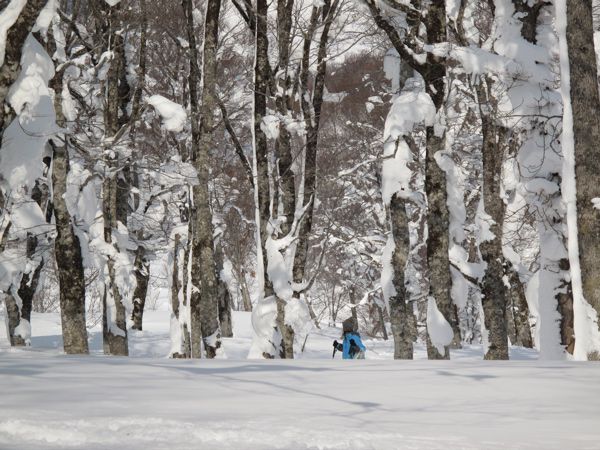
8, 17
438, 328
270, 126
408, 110
173, 115
44, 20
25, 138
53, 401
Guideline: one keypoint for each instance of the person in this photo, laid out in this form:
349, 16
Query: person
352, 346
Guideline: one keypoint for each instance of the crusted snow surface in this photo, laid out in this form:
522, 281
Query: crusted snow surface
312, 402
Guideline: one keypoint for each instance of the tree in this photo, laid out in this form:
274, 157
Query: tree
205, 288
21, 283
585, 103
432, 69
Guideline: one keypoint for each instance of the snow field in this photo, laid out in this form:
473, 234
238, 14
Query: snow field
54, 401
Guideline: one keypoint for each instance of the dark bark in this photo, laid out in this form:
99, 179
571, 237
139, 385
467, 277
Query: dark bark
565, 308
142, 277
433, 71
517, 311
440, 282
402, 319
13, 314
261, 74
69, 261
585, 101
283, 104
114, 317
312, 120
493, 290
225, 319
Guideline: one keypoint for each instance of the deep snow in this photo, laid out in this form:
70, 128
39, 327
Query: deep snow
53, 401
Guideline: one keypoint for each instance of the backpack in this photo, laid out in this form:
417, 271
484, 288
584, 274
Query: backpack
355, 351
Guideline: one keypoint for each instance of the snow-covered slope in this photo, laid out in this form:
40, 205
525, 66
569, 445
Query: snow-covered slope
52, 401
60, 402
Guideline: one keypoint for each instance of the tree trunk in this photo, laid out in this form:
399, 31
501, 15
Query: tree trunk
13, 315
67, 247
178, 322
440, 281
312, 119
493, 290
401, 315
352, 295
69, 261
246, 300
114, 322
205, 290
586, 129
283, 150
142, 276
517, 311
225, 320
9, 72
262, 187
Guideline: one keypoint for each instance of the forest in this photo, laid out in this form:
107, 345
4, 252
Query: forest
299, 224
426, 167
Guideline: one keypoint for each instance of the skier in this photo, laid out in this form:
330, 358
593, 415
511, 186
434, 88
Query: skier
352, 347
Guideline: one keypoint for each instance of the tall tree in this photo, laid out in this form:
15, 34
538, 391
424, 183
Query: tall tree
67, 246
585, 102
18, 308
429, 25
204, 300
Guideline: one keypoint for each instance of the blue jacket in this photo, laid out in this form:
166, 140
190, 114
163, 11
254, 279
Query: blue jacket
346, 344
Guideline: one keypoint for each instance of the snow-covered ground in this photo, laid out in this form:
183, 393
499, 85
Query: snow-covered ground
53, 401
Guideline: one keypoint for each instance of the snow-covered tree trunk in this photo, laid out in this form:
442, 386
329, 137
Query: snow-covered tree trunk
67, 247
20, 19
493, 288
225, 301
114, 317
142, 276
180, 335
283, 152
268, 341
585, 102
15, 38
440, 281
204, 298
539, 170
